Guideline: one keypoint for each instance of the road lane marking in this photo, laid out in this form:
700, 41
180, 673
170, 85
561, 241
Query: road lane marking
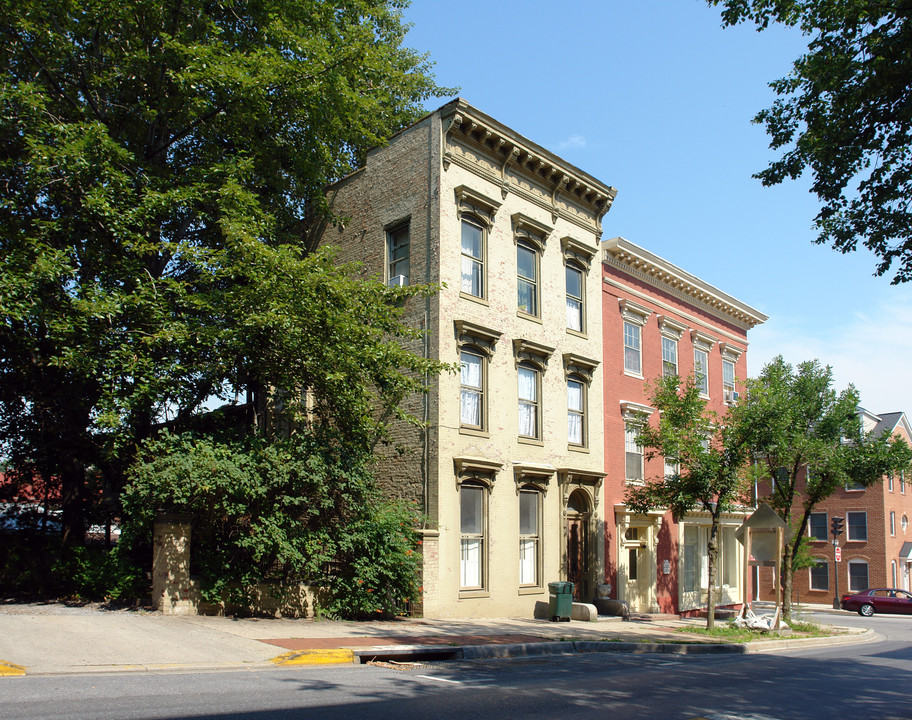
336, 656
8, 669
440, 679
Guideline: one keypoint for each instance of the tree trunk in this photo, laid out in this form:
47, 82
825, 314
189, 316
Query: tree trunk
712, 552
72, 495
786, 576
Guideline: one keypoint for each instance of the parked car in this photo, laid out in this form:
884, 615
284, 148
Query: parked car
882, 600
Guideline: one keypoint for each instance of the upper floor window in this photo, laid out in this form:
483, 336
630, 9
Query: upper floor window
902, 481
471, 396
575, 315
817, 527
633, 361
728, 381
669, 356
892, 522
397, 255
527, 285
858, 575
529, 392
576, 412
473, 250
890, 482
633, 454
857, 526
701, 370
820, 574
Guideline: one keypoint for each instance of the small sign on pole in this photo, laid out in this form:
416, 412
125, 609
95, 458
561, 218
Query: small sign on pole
838, 554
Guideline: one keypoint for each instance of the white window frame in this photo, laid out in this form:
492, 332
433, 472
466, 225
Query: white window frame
577, 415
669, 356
701, 371
468, 389
631, 448
853, 586
849, 526
531, 284
396, 266
531, 404
893, 523
634, 320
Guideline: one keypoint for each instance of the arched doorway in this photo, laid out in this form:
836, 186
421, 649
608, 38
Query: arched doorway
579, 512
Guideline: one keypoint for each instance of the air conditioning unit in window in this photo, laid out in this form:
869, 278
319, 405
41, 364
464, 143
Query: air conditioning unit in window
731, 397
398, 281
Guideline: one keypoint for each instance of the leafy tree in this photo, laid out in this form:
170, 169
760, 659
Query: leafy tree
810, 439
282, 512
710, 458
163, 165
844, 113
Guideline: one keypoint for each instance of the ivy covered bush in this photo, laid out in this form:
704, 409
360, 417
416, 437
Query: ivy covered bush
282, 512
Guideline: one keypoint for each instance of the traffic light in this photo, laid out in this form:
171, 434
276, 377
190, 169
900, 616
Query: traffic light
836, 526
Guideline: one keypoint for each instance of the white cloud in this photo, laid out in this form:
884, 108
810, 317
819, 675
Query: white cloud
869, 349
572, 142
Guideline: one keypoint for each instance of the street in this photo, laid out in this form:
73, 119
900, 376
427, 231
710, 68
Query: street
863, 680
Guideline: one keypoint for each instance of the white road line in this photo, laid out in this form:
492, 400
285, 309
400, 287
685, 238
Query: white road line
440, 679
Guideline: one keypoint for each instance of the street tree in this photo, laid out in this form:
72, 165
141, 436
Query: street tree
709, 457
809, 438
163, 165
844, 114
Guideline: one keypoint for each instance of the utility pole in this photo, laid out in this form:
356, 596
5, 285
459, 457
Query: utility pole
836, 529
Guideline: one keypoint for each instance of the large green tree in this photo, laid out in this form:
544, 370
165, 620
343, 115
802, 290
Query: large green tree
844, 114
809, 438
710, 458
162, 165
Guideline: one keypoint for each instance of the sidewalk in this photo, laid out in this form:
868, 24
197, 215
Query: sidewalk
38, 639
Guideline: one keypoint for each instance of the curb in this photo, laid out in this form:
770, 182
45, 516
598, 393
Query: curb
8, 669
335, 656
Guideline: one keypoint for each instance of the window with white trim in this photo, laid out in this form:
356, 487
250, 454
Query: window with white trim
904, 523
893, 573
902, 481
669, 356
529, 537
728, 381
701, 370
858, 575
397, 253
817, 526
890, 482
472, 502
473, 264
857, 526
892, 523
820, 574
575, 299
529, 391
633, 360
633, 454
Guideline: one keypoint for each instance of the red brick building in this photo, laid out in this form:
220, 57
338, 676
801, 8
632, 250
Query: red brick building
658, 318
876, 542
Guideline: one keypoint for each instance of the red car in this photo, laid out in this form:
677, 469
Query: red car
882, 600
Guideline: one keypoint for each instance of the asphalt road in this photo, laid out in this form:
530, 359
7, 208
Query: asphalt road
869, 680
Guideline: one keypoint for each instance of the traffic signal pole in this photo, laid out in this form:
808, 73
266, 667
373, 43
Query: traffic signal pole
836, 529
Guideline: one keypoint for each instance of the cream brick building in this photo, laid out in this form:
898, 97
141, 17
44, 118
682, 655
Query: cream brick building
509, 470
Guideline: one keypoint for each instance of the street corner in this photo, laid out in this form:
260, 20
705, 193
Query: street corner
8, 669
334, 656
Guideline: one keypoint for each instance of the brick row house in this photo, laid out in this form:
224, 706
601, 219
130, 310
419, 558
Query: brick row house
521, 467
660, 320
876, 541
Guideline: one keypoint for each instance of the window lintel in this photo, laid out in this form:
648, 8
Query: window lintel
574, 249
633, 312
478, 469
701, 340
580, 365
530, 230
629, 409
730, 352
469, 333
537, 475
531, 351
671, 328
474, 203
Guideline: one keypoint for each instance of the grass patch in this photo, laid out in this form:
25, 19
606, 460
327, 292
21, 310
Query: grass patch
729, 633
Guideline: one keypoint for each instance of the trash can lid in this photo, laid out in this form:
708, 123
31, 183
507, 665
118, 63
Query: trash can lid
560, 588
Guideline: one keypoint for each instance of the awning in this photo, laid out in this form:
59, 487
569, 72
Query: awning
906, 552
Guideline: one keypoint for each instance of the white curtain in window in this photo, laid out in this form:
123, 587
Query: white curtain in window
471, 391
575, 412
471, 276
575, 428
574, 314
470, 407
528, 395
528, 561
470, 563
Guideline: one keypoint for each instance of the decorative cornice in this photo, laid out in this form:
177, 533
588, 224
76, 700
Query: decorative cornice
628, 408
531, 230
701, 340
531, 351
509, 150
469, 333
633, 312
474, 203
479, 469
580, 365
630, 258
730, 352
671, 328
577, 250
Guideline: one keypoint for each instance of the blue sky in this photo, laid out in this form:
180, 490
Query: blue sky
655, 98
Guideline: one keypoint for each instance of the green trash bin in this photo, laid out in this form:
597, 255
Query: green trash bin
560, 601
